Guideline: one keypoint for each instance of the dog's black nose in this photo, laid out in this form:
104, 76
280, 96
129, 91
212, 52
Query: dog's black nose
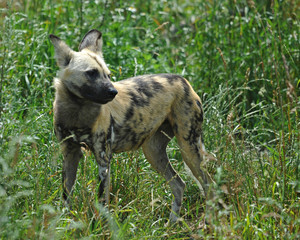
112, 92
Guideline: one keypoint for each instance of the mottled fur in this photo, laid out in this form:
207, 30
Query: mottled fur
144, 111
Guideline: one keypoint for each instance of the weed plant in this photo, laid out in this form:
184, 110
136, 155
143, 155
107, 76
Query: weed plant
242, 58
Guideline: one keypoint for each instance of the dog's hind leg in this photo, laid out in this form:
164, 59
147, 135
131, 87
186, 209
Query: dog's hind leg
193, 155
193, 151
155, 151
188, 118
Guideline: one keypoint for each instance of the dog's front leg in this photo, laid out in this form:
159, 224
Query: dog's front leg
103, 161
72, 154
104, 176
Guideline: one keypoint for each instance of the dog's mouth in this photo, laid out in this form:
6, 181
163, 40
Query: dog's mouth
102, 101
103, 97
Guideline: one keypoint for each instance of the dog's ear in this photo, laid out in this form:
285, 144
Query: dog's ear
92, 41
63, 53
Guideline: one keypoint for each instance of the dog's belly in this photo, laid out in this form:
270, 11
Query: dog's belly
127, 139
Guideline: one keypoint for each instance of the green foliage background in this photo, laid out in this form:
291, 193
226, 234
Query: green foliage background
242, 58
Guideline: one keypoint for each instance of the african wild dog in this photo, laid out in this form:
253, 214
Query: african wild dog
144, 111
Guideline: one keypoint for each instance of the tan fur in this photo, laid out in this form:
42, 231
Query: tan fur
144, 111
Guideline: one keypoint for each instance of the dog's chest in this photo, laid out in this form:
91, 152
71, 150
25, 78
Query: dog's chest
82, 136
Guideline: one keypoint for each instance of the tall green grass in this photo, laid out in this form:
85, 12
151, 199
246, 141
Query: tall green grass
242, 58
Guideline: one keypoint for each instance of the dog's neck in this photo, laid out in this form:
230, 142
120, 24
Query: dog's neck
72, 111
65, 95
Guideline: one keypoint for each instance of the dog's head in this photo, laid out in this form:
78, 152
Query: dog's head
85, 73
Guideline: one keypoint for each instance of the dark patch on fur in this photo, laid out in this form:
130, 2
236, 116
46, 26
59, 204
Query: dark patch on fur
143, 87
192, 136
145, 90
195, 132
92, 74
109, 134
186, 87
129, 114
171, 78
103, 140
189, 103
156, 86
131, 136
141, 117
139, 100
201, 110
125, 136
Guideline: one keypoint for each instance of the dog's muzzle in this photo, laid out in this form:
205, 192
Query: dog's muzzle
111, 93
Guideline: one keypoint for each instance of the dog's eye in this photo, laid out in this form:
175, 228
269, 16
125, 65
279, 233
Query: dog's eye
92, 74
